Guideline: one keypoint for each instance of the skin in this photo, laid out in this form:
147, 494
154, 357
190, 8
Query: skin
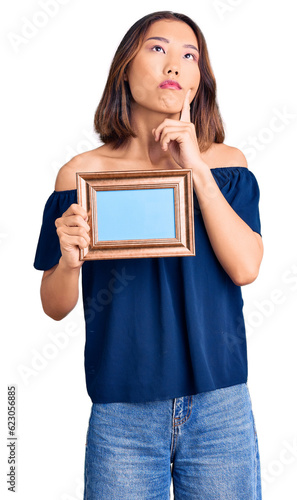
166, 138
155, 62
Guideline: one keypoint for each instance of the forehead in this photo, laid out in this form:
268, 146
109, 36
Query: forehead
175, 31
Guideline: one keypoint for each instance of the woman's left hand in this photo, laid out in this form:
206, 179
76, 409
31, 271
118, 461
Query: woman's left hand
179, 137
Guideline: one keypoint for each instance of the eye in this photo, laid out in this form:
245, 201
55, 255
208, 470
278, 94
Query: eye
158, 47
189, 54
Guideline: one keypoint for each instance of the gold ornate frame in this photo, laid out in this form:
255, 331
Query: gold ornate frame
88, 183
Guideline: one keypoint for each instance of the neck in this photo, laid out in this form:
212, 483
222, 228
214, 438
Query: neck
144, 148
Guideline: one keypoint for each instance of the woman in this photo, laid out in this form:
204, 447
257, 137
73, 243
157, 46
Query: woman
165, 353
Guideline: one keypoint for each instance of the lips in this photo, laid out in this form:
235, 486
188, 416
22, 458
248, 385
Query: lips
170, 84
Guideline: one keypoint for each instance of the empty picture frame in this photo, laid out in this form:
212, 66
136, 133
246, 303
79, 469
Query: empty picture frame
137, 213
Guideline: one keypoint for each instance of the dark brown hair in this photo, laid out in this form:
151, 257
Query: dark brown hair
113, 114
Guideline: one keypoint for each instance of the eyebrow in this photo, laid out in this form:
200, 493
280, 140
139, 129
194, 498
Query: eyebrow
162, 39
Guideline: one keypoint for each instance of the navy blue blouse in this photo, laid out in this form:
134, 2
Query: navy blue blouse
162, 327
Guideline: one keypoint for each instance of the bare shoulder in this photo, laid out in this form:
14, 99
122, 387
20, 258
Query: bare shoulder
222, 155
66, 177
236, 157
87, 161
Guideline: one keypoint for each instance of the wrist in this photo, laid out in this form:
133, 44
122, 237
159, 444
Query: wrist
66, 267
200, 168
202, 175
204, 184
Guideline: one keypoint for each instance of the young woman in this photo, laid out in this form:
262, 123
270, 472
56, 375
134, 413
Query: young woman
165, 352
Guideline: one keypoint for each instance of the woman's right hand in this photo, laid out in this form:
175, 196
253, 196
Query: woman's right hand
72, 229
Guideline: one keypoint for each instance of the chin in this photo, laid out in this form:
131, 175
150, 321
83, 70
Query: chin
170, 105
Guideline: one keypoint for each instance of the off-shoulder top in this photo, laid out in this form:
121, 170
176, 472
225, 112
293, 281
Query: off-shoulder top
162, 327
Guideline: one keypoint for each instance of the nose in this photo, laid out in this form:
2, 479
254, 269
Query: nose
172, 68
174, 71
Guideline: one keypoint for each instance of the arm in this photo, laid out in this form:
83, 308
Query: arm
59, 286
59, 290
238, 248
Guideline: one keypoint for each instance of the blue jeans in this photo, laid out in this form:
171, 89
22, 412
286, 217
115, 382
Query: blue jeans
207, 443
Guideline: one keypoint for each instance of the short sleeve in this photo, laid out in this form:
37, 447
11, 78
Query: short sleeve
240, 188
48, 251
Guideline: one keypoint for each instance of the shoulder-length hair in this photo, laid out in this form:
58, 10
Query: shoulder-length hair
113, 114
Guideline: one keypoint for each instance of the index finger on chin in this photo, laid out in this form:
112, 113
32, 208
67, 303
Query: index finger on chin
185, 115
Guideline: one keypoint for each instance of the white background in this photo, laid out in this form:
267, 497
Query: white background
51, 85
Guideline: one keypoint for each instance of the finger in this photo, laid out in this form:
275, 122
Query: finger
76, 209
73, 232
172, 135
72, 221
68, 242
185, 115
157, 132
